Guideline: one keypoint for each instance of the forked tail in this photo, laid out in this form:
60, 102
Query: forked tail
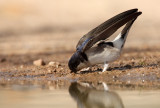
119, 41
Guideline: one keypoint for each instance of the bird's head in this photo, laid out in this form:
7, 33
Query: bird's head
76, 62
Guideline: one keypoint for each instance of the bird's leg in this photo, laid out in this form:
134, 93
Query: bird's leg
105, 67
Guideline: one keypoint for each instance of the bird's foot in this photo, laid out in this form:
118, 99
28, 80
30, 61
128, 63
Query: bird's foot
105, 67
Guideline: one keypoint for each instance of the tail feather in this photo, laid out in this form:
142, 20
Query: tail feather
126, 29
119, 41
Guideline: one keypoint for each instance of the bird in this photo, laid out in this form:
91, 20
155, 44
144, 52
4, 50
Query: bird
88, 95
93, 49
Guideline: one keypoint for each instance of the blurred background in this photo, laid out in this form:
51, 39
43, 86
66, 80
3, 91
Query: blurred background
35, 26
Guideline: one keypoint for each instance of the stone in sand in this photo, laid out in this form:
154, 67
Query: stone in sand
39, 62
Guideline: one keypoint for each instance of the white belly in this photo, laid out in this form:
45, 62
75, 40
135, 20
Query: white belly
107, 55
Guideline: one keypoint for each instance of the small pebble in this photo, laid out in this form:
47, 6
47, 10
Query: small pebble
129, 81
22, 66
56, 64
143, 74
39, 62
114, 76
143, 81
50, 71
55, 70
51, 63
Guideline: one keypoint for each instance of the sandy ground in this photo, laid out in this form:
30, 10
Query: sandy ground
136, 67
50, 30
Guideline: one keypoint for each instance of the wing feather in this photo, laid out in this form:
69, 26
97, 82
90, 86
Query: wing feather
106, 29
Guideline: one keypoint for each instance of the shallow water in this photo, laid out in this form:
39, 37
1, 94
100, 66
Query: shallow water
76, 95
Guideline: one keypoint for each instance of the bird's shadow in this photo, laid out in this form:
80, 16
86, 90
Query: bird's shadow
126, 67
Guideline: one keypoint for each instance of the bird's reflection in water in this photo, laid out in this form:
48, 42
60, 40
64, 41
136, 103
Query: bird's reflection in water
88, 96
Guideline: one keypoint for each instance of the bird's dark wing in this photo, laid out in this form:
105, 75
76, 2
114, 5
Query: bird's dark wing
106, 29
104, 25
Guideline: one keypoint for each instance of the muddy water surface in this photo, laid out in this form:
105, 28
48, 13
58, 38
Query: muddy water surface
76, 95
